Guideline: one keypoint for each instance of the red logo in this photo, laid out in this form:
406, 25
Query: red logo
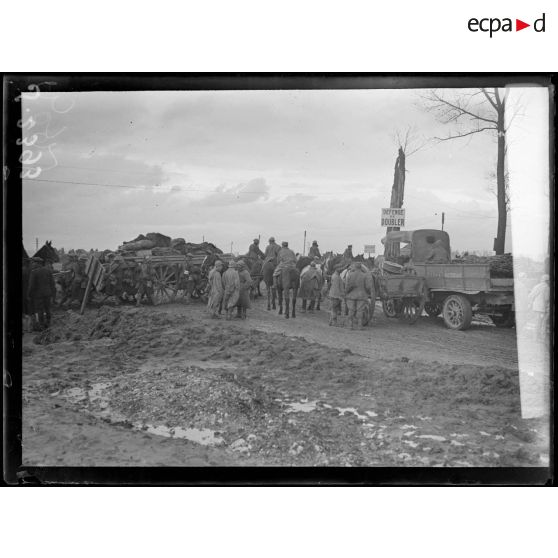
519, 25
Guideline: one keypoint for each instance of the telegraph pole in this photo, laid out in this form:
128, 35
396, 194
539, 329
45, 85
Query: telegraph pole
304, 245
36, 244
443, 219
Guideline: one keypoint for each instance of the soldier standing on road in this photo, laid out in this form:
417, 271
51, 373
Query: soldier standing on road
244, 292
336, 295
41, 291
272, 250
231, 286
314, 251
254, 250
358, 290
216, 290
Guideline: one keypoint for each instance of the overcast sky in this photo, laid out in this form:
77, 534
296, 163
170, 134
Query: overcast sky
232, 165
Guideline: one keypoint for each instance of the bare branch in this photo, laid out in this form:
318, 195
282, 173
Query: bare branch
460, 110
467, 133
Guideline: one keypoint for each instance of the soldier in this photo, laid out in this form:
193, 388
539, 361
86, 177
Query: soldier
41, 291
216, 290
145, 283
254, 250
286, 259
348, 253
314, 251
272, 250
358, 290
244, 291
231, 287
336, 295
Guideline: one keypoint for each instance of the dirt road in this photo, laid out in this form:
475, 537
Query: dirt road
168, 386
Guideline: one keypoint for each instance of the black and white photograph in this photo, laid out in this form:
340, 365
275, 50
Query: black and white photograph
312, 272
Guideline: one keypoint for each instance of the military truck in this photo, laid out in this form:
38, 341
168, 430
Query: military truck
454, 290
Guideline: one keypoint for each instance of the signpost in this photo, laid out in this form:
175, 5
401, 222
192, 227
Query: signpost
369, 248
393, 217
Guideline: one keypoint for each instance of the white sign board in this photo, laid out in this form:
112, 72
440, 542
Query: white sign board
369, 248
393, 217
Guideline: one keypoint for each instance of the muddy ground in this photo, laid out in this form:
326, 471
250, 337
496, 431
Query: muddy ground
166, 385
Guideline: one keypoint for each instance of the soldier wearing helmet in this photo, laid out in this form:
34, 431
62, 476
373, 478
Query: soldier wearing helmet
272, 250
314, 251
254, 250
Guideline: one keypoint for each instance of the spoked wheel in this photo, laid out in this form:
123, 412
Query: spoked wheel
457, 312
391, 307
411, 309
432, 309
165, 283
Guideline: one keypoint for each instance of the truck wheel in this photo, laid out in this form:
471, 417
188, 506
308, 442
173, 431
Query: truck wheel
457, 312
433, 309
507, 319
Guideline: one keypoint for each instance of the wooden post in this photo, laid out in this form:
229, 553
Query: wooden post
85, 297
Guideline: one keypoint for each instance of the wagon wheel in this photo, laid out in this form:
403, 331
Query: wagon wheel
433, 309
165, 283
411, 309
391, 307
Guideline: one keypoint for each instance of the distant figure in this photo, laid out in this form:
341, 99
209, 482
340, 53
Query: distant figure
314, 251
244, 291
216, 290
41, 290
254, 250
231, 287
539, 301
358, 290
336, 295
272, 250
348, 253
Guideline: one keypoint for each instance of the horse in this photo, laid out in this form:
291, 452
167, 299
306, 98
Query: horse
311, 287
47, 253
267, 272
286, 280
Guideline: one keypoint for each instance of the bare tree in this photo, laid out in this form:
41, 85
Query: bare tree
407, 143
480, 110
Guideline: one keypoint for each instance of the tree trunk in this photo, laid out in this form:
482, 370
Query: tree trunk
397, 191
500, 240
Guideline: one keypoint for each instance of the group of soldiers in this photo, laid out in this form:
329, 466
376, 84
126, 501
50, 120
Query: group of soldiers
229, 291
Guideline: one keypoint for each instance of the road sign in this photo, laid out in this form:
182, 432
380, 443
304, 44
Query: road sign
393, 217
369, 248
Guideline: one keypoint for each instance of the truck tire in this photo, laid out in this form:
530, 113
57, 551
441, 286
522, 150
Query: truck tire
457, 312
